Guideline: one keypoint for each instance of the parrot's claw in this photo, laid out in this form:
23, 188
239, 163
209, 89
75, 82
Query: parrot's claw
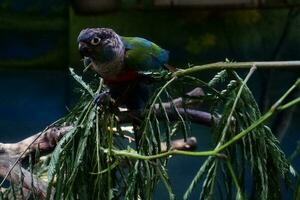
101, 98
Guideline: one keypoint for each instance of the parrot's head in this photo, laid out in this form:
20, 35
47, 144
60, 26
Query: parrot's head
100, 44
104, 48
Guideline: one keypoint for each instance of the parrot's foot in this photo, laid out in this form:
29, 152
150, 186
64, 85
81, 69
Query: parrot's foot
101, 98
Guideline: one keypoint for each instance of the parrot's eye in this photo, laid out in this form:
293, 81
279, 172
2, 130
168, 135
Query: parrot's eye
95, 41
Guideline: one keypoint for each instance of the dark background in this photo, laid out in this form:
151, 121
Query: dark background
38, 44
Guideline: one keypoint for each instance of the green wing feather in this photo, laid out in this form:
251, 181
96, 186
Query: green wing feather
144, 55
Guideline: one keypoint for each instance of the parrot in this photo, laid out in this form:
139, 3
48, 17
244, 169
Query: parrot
118, 60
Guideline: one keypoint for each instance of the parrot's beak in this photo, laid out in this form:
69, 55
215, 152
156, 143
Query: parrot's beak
84, 50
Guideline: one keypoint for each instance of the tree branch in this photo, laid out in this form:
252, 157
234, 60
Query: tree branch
184, 108
238, 65
19, 175
13, 172
46, 141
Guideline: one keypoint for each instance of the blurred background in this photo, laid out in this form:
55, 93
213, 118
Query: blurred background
38, 45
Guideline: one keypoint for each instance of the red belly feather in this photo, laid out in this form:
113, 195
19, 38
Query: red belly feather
129, 75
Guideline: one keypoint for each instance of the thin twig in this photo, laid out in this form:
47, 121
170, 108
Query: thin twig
235, 180
237, 65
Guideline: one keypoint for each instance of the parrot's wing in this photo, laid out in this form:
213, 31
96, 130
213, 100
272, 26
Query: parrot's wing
143, 55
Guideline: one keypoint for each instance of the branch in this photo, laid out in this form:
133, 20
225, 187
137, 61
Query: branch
187, 109
196, 116
217, 151
12, 171
10, 155
266, 82
180, 144
45, 142
48, 140
284, 119
238, 65
179, 102
19, 175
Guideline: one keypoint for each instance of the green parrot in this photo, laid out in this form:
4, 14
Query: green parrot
118, 60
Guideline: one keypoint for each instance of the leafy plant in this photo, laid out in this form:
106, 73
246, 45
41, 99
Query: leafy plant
97, 159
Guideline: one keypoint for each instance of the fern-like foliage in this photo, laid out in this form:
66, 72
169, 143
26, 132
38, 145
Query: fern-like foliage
84, 166
257, 156
97, 159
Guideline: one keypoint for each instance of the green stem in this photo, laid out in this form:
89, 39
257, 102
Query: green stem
291, 103
283, 97
126, 153
237, 65
149, 112
237, 137
114, 165
229, 119
216, 151
98, 140
235, 180
109, 159
157, 96
263, 118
